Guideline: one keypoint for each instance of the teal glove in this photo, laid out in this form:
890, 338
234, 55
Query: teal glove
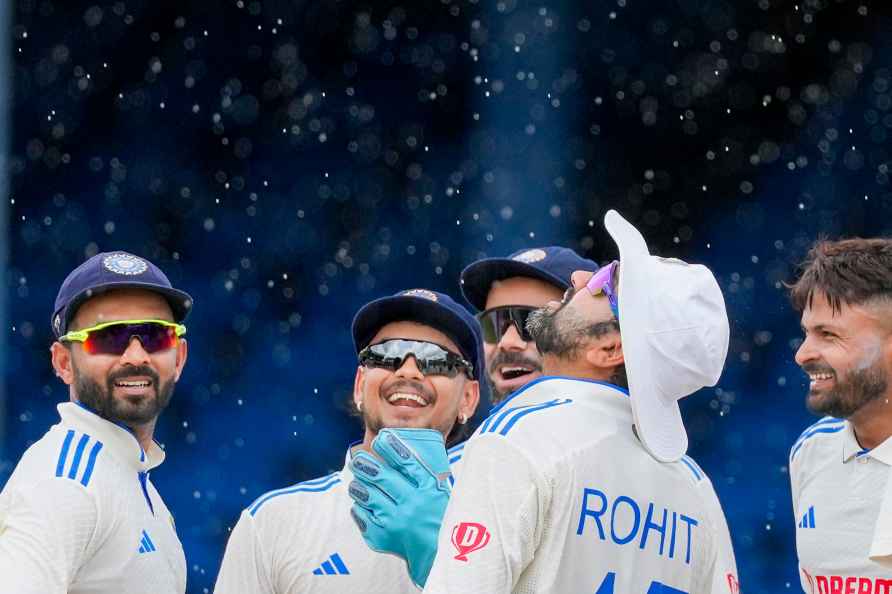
399, 501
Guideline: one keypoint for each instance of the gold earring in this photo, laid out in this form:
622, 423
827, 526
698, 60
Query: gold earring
359, 406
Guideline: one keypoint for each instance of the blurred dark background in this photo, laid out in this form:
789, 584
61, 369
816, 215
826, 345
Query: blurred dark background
286, 161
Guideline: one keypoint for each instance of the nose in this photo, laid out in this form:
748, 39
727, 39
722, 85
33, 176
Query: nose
135, 354
511, 340
805, 353
579, 278
409, 369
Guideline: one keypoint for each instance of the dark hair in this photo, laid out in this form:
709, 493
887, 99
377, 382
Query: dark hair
848, 271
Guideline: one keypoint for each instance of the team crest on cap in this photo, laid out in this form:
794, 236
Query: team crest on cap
57, 323
530, 256
423, 293
124, 264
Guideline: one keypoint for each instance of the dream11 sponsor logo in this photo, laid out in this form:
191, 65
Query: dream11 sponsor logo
468, 537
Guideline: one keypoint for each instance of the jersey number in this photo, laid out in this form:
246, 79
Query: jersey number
606, 587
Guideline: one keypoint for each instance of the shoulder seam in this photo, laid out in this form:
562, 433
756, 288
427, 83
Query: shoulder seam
826, 425
693, 467
311, 486
507, 419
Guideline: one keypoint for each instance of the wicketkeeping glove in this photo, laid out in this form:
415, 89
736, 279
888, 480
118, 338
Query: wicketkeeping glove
399, 500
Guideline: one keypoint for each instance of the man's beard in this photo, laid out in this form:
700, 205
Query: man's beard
375, 423
101, 400
849, 395
559, 332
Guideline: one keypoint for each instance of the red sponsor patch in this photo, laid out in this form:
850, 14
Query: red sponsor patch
733, 584
468, 537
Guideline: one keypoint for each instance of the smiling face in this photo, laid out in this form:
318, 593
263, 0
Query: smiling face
134, 387
513, 362
847, 355
407, 398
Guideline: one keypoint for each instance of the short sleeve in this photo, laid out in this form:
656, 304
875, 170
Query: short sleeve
46, 531
720, 574
245, 567
490, 531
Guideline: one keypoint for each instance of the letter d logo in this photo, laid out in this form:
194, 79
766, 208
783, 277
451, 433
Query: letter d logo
468, 537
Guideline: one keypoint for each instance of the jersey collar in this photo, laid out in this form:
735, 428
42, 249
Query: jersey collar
852, 449
611, 397
118, 438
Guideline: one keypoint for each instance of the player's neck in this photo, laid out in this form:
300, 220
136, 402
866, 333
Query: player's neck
872, 423
552, 365
144, 434
367, 440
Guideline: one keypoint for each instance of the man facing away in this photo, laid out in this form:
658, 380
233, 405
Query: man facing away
573, 485
79, 514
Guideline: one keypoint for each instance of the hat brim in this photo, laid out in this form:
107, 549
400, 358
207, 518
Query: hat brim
373, 316
477, 278
657, 417
180, 302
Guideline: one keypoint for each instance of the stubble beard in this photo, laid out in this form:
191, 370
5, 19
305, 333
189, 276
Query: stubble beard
101, 399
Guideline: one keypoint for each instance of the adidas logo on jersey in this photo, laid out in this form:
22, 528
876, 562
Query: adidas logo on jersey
333, 566
808, 520
145, 544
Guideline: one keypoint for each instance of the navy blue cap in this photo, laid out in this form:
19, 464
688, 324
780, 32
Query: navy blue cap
430, 308
552, 264
114, 270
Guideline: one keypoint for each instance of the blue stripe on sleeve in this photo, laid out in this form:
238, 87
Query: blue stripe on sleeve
78, 454
497, 419
690, 464
91, 462
63, 455
528, 411
806, 436
314, 486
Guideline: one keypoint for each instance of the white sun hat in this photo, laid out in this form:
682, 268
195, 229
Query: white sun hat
675, 335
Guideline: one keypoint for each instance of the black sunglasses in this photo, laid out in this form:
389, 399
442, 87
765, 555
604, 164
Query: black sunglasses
496, 321
431, 358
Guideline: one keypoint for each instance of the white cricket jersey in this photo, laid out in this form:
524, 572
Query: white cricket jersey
79, 515
556, 494
302, 539
837, 489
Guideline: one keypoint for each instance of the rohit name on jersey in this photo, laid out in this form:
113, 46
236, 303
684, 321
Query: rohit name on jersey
842, 584
624, 521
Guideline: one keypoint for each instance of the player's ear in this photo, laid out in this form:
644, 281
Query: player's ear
62, 364
470, 398
606, 351
358, 383
182, 353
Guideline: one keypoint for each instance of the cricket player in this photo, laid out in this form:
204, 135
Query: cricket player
839, 467
571, 484
505, 291
79, 514
420, 362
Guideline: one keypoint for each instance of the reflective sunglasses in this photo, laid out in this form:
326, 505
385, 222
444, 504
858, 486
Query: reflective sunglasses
113, 338
602, 282
496, 321
431, 358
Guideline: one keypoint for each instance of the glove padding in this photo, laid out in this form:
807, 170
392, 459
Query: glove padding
399, 500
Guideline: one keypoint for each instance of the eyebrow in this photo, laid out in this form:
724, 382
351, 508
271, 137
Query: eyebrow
818, 328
